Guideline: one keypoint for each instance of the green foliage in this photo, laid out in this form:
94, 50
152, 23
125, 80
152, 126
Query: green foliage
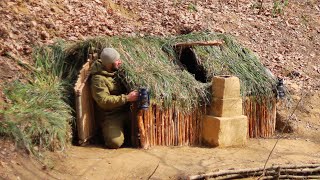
256, 5
305, 20
192, 7
177, 2
38, 114
278, 6
50, 62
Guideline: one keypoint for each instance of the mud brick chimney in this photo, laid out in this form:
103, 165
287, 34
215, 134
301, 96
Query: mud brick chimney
225, 125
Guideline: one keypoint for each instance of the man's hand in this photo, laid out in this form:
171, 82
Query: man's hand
133, 96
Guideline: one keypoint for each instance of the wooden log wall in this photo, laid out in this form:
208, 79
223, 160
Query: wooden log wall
261, 117
169, 127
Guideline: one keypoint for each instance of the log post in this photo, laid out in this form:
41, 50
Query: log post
143, 139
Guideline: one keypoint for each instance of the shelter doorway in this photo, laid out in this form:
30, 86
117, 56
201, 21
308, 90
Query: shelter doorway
189, 61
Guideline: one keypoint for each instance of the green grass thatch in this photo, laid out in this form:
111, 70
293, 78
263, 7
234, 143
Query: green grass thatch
145, 64
153, 62
231, 59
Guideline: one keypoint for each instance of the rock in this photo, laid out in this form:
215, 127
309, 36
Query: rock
34, 23
292, 86
295, 97
44, 35
2, 164
72, 38
279, 57
294, 73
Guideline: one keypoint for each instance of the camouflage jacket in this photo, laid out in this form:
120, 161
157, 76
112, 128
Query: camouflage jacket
106, 89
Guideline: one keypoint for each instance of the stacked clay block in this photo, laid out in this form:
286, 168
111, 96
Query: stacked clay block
225, 125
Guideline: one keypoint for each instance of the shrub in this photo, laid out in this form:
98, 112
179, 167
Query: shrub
38, 114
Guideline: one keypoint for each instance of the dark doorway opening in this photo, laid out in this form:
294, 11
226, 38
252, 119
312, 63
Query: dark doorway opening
189, 60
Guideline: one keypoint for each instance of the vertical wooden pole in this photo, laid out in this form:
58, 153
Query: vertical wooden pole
180, 129
169, 128
195, 128
250, 116
163, 127
159, 126
151, 125
167, 134
191, 128
176, 129
274, 112
145, 123
143, 140
186, 130
155, 125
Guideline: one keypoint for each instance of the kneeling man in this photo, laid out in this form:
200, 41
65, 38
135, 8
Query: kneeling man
111, 100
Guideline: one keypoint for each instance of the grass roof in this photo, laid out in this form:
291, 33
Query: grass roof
153, 62
231, 58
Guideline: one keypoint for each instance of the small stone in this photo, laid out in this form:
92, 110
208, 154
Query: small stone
33, 23
294, 73
44, 35
73, 38
315, 68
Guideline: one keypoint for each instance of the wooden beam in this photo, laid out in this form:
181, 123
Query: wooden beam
200, 43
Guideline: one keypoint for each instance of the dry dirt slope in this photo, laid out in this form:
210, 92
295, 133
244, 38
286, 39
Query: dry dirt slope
288, 44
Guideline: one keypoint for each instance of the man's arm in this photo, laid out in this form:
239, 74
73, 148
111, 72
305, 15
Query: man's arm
102, 96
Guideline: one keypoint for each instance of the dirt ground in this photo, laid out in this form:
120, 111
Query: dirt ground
95, 162
302, 146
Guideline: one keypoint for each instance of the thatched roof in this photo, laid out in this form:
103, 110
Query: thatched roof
154, 62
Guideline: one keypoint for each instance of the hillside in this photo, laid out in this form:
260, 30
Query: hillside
286, 37
287, 41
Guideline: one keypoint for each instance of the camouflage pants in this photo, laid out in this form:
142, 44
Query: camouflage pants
115, 128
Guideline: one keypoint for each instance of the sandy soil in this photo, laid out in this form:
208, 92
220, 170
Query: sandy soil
95, 162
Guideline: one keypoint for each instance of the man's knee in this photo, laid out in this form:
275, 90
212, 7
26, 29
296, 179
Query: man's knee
113, 134
114, 143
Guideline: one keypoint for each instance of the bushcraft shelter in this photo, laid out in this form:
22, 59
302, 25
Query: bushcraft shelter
177, 72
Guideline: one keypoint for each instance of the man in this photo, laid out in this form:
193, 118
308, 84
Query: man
111, 102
